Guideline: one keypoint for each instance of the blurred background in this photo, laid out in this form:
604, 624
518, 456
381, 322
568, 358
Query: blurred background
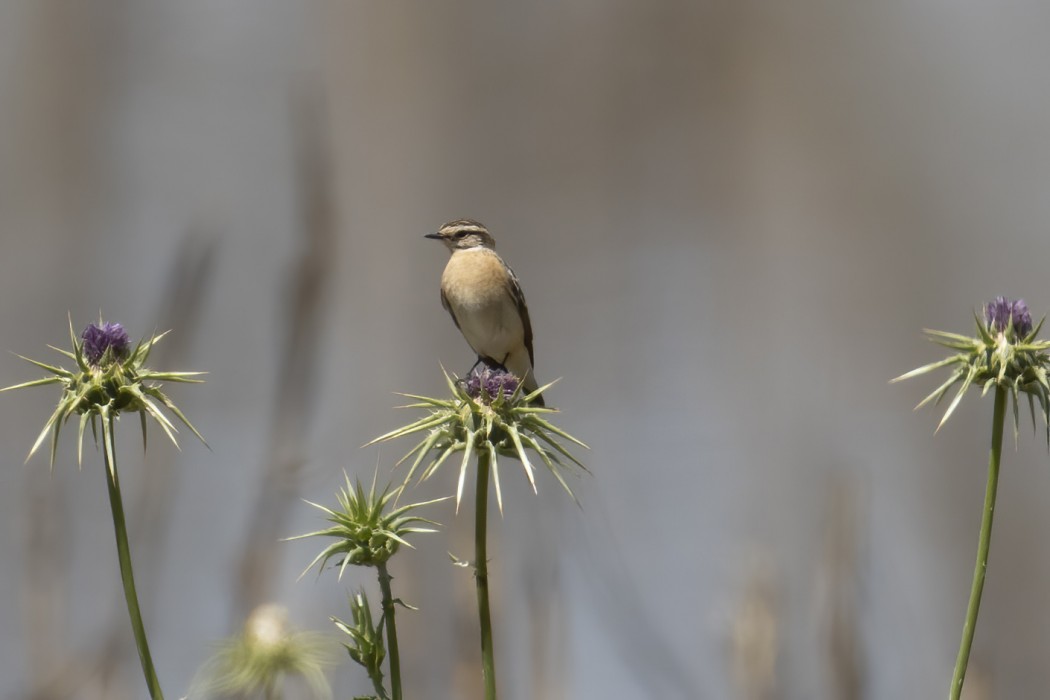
731, 220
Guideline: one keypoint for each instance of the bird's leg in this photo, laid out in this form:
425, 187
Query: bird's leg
462, 381
494, 364
490, 364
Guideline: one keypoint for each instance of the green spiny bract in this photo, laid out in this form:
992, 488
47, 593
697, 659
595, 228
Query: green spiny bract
366, 533
366, 638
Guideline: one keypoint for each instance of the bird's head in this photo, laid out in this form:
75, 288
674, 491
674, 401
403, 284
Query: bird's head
463, 234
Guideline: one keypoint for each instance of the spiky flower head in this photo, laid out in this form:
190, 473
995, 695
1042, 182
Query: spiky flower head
366, 533
1005, 353
482, 416
110, 378
263, 657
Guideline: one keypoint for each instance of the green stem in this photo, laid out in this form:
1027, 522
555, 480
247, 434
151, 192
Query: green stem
124, 555
998, 419
391, 632
481, 574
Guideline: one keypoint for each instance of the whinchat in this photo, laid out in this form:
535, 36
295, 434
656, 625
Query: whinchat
484, 298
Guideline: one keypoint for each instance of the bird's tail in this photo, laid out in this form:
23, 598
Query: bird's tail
519, 365
529, 385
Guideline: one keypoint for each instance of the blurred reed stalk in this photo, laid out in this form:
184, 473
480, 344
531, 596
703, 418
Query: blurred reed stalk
839, 591
297, 377
754, 636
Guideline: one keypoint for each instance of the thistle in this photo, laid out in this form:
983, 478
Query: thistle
262, 657
110, 379
366, 533
1005, 356
487, 416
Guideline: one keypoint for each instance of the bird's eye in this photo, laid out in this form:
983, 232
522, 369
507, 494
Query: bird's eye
459, 235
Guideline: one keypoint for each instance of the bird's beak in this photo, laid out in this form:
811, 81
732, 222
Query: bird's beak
435, 236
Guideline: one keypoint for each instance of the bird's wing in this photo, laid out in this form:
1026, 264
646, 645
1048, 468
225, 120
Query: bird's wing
448, 308
514, 287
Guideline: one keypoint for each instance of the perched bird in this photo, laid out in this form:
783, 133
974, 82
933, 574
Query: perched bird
485, 300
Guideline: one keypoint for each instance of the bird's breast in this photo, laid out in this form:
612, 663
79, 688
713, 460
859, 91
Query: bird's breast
475, 280
475, 284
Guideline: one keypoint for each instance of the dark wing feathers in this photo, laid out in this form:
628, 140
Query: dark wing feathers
514, 287
448, 308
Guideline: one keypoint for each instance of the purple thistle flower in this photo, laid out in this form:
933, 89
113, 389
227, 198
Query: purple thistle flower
100, 338
487, 384
999, 313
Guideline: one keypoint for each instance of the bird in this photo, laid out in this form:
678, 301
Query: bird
484, 298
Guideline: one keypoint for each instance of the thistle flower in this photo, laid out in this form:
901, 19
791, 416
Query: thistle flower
366, 533
1005, 353
486, 385
487, 413
1005, 315
110, 378
263, 656
98, 338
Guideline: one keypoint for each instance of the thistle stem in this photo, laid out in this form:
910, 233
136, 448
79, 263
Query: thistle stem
124, 555
998, 419
391, 632
481, 574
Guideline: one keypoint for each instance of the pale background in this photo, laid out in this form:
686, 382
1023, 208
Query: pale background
731, 220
